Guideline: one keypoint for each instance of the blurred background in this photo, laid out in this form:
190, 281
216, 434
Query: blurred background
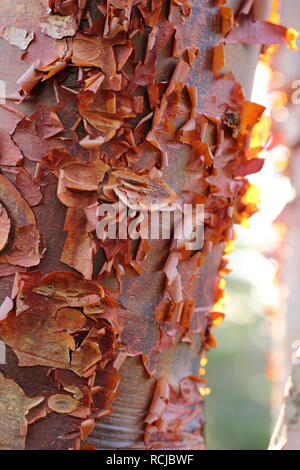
254, 344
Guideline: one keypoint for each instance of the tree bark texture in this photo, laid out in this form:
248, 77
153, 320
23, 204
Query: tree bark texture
107, 98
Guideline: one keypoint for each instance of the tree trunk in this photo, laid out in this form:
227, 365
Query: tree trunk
150, 302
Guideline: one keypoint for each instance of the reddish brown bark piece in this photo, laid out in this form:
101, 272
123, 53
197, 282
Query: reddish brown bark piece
10, 117
173, 413
10, 153
40, 330
218, 59
105, 111
24, 250
83, 176
45, 329
24, 181
226, 19
62, 403
47, 122
70, 319
27, 139
79, 247
94, 51
138, 191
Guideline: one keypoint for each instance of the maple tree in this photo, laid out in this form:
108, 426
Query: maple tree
106, 101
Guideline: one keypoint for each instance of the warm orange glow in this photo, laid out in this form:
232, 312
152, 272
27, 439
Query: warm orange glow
219, 305
252, 195
204, 391
279, 98
217, 318
291, 37
282, 158
261, 132
250, 199
203, 361
229, 247
269, 53
275, 12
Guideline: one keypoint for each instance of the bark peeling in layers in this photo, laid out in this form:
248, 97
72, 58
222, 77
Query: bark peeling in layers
108, 101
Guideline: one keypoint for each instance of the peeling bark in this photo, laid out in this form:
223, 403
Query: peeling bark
120, 98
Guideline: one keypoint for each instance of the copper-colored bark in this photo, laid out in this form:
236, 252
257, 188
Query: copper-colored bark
160, 319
